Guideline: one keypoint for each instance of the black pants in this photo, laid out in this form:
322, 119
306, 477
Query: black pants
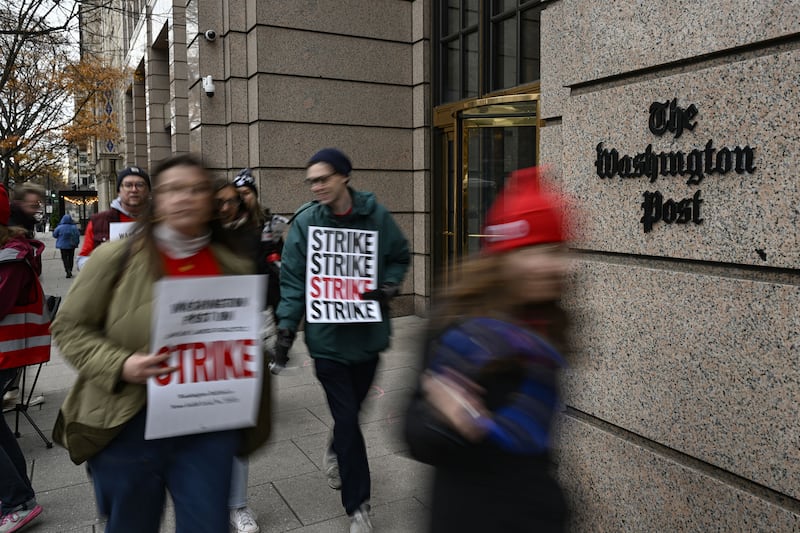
16, 491
346, 387
68, 258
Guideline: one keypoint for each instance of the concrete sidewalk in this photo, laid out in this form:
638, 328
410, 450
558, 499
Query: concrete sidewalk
288, 490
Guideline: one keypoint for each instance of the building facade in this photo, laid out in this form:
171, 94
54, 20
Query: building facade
671, 126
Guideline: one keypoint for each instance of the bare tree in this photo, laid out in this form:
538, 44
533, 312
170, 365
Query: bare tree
45, 84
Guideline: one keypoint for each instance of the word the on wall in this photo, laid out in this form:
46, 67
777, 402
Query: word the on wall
694, 165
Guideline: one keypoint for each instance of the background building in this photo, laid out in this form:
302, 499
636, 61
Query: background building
673, 128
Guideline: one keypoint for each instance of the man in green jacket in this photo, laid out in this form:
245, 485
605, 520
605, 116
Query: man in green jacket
343, 260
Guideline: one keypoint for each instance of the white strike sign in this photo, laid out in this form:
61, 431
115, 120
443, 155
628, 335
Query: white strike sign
210, 326
341, 265
118, 230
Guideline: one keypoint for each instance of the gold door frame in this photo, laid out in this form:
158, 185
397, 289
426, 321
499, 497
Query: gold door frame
454, 123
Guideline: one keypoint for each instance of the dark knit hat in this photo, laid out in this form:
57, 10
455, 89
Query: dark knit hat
133, 171
245, 179
335, 158
523, 215
5, 207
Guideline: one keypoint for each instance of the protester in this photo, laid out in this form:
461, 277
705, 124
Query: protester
68, 237
104, 329
25, 340
270, 229
345, 354
133, 197
26, 211
230, 207
245, 238
259, 226
26, 207
485, 405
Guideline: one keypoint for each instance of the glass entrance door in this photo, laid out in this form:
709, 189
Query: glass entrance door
494, 137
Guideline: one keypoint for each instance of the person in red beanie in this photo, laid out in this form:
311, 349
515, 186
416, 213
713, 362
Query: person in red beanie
24, 340
484, 407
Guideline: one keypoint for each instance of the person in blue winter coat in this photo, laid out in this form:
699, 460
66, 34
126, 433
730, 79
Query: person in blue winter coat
67, 239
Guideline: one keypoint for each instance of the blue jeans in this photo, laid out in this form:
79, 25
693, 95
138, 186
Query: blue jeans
131, 476
15, 487
346, 386
239, 476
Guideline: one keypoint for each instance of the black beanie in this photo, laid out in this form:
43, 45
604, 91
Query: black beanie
132, 171
335, 158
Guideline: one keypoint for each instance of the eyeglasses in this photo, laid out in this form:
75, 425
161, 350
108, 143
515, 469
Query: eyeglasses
228, 201
321, 180
193, 190
131, 185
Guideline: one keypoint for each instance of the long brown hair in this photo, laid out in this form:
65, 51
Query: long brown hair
142, 238
9, 232
482, 288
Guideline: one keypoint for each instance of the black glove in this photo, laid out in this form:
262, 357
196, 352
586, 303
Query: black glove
386, 292
283, 344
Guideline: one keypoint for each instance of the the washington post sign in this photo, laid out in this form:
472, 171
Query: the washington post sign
341, 266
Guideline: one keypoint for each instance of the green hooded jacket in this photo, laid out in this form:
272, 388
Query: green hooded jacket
352, 342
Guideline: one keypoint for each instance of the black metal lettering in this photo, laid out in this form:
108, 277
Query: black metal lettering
658, 118
696, 201
694, 167
684, 211
709, 156
744, 159
652, 207
724, 161
669, 213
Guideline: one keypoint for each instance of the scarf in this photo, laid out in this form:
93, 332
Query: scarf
178, 245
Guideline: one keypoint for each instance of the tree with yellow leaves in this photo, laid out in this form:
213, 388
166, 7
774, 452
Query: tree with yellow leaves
49, 98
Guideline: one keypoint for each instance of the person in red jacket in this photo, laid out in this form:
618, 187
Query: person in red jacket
133, 188
24, 340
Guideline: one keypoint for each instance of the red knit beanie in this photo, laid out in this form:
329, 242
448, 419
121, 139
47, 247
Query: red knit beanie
523, 215
5, 207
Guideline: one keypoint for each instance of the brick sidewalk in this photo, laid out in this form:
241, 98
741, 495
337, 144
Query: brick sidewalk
288, 490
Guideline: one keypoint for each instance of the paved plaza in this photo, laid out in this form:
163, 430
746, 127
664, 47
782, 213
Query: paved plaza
288, 491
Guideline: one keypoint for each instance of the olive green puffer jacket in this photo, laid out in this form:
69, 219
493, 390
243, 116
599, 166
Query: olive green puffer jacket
105, 318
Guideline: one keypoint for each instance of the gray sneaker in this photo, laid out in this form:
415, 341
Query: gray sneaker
330, 465
360, 522
276, 368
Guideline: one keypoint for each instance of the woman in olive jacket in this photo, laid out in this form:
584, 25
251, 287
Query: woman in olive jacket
103, 330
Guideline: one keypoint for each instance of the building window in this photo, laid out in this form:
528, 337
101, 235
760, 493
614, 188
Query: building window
484, 47
459, 49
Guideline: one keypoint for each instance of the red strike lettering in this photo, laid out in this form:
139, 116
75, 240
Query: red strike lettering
338, 288
200, 362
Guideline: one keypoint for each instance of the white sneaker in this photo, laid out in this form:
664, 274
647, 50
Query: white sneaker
36, 400
243, 520
360, 522
10, 398
330, 465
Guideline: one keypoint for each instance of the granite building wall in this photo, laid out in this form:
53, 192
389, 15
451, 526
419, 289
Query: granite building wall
289, 79
294, 77
682, 401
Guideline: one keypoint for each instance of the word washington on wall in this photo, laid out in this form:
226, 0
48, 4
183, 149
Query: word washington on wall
694, 165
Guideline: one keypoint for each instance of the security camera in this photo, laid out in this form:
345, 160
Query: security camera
210, 35
208, 85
